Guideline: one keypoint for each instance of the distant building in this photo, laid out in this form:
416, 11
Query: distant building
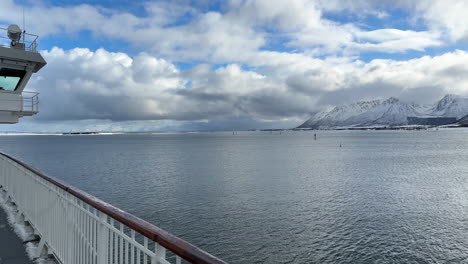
431, 121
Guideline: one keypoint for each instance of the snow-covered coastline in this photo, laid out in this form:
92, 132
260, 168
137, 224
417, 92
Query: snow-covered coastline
27, 134
58, 134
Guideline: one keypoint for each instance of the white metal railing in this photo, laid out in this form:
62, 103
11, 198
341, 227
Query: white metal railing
78, 228
30, 101
29, 40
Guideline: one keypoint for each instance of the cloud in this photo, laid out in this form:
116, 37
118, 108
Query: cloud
97, 85
447, 16
81, 84
237, 31
394, 40
444, 17
422, 79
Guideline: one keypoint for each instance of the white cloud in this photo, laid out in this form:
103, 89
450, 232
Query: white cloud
380, 35
394, 40
81, 84
448, 16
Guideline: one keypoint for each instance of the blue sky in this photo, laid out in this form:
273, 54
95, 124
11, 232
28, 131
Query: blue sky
156, 65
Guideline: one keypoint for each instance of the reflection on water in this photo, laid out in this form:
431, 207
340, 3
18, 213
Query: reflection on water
260, 197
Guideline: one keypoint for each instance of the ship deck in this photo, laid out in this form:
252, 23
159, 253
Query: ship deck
12, 250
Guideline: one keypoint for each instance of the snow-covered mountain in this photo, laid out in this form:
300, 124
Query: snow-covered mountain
338, 115
390, 112
450, 106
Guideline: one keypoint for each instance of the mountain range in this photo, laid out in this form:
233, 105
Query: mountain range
389, 112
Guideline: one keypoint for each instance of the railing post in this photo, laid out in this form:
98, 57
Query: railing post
102, 239
69, 229
160, 253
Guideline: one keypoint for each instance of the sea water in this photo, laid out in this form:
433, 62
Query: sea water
266, 197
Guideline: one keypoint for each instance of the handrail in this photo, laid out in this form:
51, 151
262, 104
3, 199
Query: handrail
27, 102
30, 101
169, 241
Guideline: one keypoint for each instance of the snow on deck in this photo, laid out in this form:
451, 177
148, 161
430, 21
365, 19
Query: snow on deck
13, 249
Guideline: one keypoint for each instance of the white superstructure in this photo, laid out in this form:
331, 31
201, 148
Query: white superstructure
19, 59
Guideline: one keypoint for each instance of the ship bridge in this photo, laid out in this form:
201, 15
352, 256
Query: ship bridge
19, 59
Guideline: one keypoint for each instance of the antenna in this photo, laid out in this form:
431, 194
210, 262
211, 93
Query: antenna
24, 28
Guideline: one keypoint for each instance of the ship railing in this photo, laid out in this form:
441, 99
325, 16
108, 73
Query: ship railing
27, 42
78, 228
30, 102
27, 103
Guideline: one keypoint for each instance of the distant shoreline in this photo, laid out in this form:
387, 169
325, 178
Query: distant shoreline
364, 128
229, 131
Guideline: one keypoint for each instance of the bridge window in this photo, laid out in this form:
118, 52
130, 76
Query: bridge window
10, 79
